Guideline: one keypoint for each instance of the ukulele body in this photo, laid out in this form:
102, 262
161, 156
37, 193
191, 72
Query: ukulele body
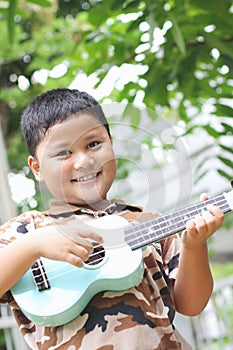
71, 288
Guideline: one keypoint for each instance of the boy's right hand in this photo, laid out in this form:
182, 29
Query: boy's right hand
69, 241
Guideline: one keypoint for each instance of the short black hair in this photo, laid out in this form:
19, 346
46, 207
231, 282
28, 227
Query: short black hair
55, 106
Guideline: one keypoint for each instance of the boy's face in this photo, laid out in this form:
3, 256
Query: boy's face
76, 161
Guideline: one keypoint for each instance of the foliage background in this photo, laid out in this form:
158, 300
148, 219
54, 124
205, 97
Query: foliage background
182, 49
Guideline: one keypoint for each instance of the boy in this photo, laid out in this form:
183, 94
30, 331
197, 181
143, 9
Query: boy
70, 148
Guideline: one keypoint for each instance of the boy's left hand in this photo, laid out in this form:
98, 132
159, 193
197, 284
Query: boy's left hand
202, 226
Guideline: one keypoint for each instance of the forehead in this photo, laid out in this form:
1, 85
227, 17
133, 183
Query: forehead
74, 128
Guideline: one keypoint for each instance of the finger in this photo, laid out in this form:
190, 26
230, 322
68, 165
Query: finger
86, 232
82, 237
91, 235
78, 254
200, 224
209, 223
203, 196
74, 227
190, 225
209, 220
83, 250
216, 212
74, 260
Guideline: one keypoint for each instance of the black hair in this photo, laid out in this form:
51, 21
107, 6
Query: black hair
55, 106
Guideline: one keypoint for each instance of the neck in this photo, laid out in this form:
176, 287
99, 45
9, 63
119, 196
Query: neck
96, 206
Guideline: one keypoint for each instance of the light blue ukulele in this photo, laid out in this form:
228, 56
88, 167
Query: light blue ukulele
52, 293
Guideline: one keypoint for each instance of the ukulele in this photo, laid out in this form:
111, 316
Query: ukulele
52, 293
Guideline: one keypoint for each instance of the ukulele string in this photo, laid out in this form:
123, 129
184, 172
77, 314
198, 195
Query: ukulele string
134, 233
72, 268
58, 268
50, 262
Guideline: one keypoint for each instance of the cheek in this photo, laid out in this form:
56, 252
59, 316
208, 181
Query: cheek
109, 155
107, 159
52, 172
111, 167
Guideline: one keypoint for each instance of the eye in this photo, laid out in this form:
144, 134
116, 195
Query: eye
64, 153
93, 144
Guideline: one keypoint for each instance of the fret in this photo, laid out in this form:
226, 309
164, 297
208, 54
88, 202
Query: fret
225, 208
136, 240
221, 202
171, 219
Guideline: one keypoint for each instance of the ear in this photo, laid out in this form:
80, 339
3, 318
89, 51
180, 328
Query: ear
35, 168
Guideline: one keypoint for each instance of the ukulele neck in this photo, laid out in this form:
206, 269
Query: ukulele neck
155, 230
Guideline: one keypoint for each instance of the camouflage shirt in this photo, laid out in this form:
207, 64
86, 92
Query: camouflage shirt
140, 318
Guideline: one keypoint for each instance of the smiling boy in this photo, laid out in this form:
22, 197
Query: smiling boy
80, 151
71, 151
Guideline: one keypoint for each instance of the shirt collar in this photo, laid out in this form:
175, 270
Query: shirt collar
58, 207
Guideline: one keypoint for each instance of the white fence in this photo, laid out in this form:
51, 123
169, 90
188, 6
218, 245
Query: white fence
213, 328
13, 338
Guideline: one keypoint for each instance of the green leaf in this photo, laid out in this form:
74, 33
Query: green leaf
98, 15
228, 61
42, 3
223, 110
116, 4
134, 25
228, 128
10, 19
134, 115
132, 5
190, 130
223, 47
216, 7
224, 174
225, 148
177, 35
201, 176
226, 161
152, 114
211, 131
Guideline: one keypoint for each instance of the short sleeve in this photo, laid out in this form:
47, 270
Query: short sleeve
12, 230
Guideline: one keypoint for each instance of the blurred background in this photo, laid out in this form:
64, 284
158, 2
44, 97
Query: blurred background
162, 71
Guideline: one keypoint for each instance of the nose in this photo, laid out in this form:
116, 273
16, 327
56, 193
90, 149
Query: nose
82, 160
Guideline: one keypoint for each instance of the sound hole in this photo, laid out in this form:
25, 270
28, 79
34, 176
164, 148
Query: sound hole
97, 255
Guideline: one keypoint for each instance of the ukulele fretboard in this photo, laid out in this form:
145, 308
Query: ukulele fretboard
165, 225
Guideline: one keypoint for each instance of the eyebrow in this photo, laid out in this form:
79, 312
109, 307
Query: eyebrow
58, 145
64, 144
94, 133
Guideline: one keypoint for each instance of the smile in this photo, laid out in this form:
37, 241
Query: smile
86, 177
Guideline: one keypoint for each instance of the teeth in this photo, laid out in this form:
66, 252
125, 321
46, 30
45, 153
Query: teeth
87, 177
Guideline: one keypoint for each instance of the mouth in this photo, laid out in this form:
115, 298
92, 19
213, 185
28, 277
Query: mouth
86, 178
